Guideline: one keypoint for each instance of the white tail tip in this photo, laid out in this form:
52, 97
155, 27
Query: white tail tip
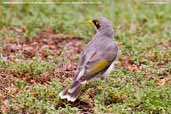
68, 97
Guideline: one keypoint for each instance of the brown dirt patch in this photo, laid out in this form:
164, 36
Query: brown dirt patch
46, 45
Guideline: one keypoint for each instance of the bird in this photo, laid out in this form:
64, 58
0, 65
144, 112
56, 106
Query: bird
96, 60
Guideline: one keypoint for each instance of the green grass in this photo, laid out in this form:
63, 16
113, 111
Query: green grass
141, 31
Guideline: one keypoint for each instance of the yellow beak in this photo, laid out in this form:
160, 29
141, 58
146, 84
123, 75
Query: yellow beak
90, 21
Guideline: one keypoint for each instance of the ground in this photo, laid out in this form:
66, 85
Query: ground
40, 47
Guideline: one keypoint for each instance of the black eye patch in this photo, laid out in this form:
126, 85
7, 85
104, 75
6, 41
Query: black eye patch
96, 23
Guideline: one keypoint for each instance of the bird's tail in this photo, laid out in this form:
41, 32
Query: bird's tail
72, 92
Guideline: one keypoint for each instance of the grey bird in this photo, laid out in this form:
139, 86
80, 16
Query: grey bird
96, 59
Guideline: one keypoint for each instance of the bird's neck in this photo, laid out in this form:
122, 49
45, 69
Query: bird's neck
108, 32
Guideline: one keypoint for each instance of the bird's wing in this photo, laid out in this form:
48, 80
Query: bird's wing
97, 62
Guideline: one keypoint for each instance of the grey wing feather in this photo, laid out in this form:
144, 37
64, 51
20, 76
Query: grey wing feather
85, 57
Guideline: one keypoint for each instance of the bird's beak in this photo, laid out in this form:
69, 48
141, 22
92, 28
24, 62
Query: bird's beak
90, 22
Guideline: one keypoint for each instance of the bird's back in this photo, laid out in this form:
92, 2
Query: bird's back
104, 46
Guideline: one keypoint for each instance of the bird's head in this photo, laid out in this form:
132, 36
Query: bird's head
101, 25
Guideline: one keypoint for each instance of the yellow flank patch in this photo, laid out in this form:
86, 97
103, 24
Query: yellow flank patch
99, 66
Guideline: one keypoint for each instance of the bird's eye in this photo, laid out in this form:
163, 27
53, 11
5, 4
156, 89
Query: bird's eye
96, 23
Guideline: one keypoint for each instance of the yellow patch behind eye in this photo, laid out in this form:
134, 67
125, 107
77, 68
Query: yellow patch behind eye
96, 23
100, 66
